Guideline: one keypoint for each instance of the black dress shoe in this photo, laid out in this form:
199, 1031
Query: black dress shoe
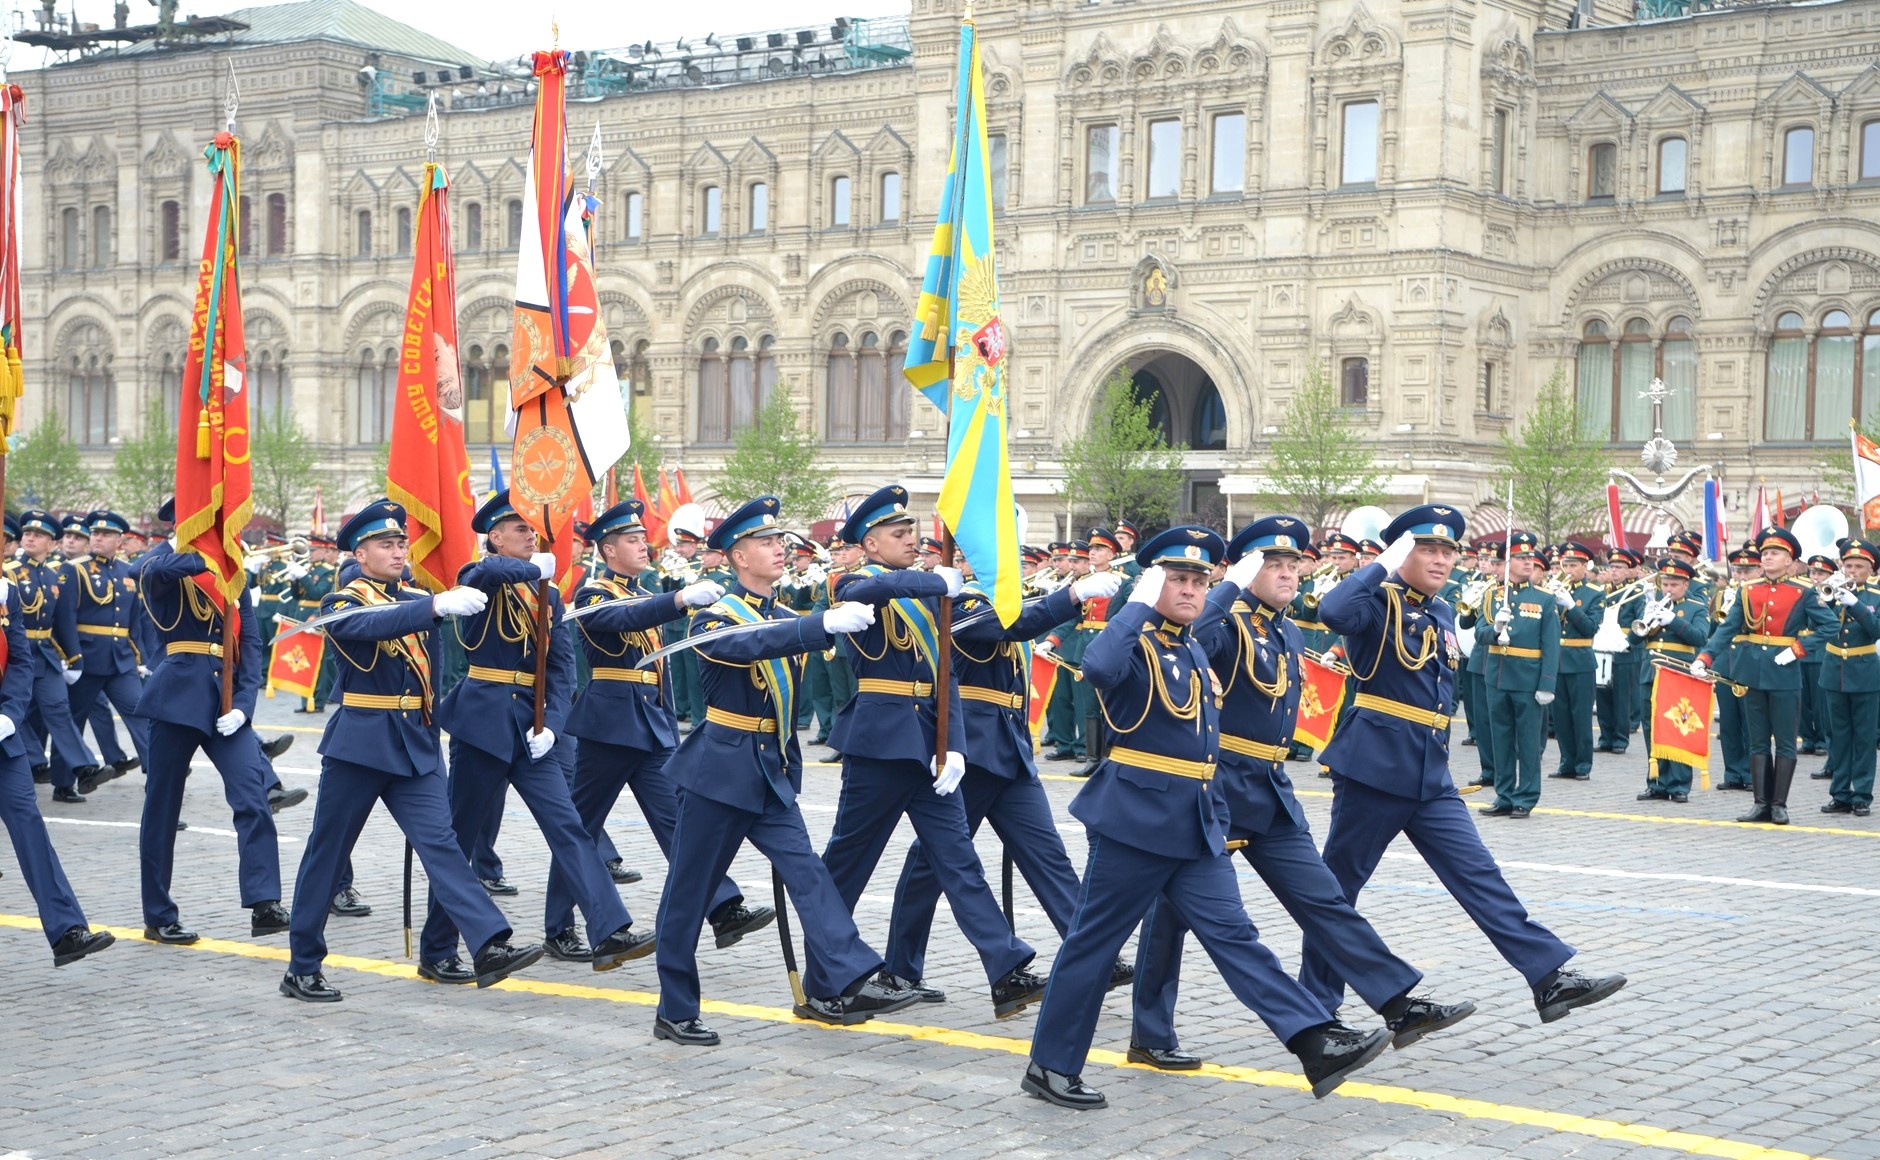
67, 795
1565, 990
1121, 975
739, 920
181, 825
1423, 1016
1582, 777
173, 933
498, 961
623, 946
1820, 775
1680, 796
1562, 773
281, 798
78, 942
1519, 812
278, 745
569, 947
1838, 808
872, 998
1498, 810
452, 971
1086, 769
128, 764
1015, 992
1061, 754
1652, 795
1066, 1091
617, 870
267, 918
1468, 741
309, 988
922, 992
1484, 782
1169, 1059
1862, 809
1332, 1054
42, 774
499, 886
689, 1033
90, 777
348, 904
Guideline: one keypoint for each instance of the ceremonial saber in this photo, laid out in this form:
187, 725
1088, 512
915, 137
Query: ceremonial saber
783, 936
729, 630
407, 897
1005, 889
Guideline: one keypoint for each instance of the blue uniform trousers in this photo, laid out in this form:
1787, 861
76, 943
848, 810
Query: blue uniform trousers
483, 857
875, 795
479, 782
568, 752
1121, 885
1020, 814
53, 708
245, 776
1733, 738
421, 807
94, 697
1573, 721
1479, 724
1364, 823
706, 836
59, 911
1289, 864
1853, 719
1515, 720
601, 772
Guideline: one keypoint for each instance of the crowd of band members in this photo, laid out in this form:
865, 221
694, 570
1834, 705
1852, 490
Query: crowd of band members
838, 638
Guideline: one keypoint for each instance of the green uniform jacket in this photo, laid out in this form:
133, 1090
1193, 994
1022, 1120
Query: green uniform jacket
1530, 661
1850, 661
1578, 624
1679, 640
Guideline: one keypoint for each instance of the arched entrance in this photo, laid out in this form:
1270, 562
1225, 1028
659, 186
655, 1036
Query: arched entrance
1187, 405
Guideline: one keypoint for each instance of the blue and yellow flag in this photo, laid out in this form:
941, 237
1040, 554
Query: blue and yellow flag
956, 356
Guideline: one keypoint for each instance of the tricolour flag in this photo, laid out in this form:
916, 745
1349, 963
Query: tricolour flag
1321, 690
429, 470
956, 356
12, 382
214, 492
570, 424
1867, 479
1681, 721
294, 659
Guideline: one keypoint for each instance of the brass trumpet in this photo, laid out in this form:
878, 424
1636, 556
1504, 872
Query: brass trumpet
296, 551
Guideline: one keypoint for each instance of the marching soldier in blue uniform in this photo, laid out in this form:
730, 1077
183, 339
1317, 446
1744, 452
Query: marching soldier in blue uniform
1850, 684
1001, 783
1255, 651
107, 608
886, 738
1157, 820
490, 716
382, 745
49, 609
60, 916
739, 773
183, 703
1390, 762
1065, 714
624, 719
1522, 639
1772, 622
1581, 607
1673, 624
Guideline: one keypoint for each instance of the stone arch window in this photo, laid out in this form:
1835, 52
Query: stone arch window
1798, 157
1602, 171
714, 393
632, 364
245, 226
863, 406
164, 350
1354, 382
473, 225
276, 240
375, 384
401, 231
272, 396
170, 231
71, 252
1821, 372
1869, 150
1210, 422
512, 210
362, 233
484, 370
890, 204
90, 386
634, 220
1613, 369
1673, 166
103, 249
170, 384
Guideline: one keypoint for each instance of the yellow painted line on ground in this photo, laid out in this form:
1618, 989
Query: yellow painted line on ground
1642, 1135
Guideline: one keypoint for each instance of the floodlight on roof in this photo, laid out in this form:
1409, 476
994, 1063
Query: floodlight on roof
776, 39
806, 36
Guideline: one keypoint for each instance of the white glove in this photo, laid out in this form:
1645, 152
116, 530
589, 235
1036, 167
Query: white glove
230, 721
540, 744
1397, 553
1097, 586
1043, 649
1847, 598
848, 616
1664, 616
7, 728
143, 671
1504, 616
701, 594
1543, 698
1564, 599
459, 602
544, 564
1242, 571
947, 780
71, 675
955, 579
1699, 669
296, 571
1785, 657
256, 563
1148, 588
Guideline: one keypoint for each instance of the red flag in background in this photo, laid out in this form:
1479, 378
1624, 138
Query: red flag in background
613, 486
653, 518
680, 491
12, 383
1681, 722
429, 472
214, 492
1321, 690
316, 524
669, 500
1044, 678
1778, 515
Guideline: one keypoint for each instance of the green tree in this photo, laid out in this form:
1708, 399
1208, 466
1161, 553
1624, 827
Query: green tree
44, 470
1319, 461
143, 471
774, 456
283, 472
646, 451
1559, 475
1122, 467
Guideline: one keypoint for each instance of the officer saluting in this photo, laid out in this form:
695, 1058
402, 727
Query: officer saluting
1157, 821
624, 719
739, 773
381, 745
1390, 761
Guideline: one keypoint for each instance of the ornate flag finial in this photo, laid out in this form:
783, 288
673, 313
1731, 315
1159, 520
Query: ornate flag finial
594, 158
431, 128
232, 100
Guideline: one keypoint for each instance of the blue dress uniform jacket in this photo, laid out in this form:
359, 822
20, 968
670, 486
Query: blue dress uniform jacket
49, 604
495, 715
635, 712
994, 684
106, 597
1395, 737
879, 723
378, 662
186, 687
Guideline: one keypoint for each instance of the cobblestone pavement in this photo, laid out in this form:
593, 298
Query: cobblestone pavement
1748, 1028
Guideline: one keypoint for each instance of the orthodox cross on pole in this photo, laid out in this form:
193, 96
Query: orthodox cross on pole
1659, 454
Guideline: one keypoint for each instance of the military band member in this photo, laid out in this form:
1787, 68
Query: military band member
685, 570
1313, 636
886, 736
309, 592
1613, 700
1772, 622
107, 606
1157, 820
1673, 624
1470, 619
49, 609
183, 703
797, 591
381, 744
1816, 739
738, 776
491, 718
1581, 607
1850, 684
1127, 536
1522, 640
273, 577
1390, 762
1255, 652
1064, 715
1093, 616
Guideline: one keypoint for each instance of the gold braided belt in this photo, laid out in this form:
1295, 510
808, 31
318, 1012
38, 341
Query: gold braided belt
1669, 646
405, 702
739, 721
1865, 650
1401, 711
1509, 650
1247, 748
631, 676
502, 676
103, 630
886, 688
38, 634
992, 697
1757, 638
1174, 766
201, 648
